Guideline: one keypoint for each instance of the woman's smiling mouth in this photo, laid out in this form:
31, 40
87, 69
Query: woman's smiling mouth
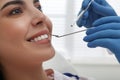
40, 37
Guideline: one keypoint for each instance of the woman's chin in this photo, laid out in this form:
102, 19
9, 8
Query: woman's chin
51, 54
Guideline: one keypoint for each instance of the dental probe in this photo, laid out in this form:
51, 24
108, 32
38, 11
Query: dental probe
81, 13
59, 36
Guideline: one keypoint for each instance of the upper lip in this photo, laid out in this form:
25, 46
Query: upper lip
38, 34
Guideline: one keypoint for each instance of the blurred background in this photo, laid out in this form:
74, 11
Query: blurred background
95, 62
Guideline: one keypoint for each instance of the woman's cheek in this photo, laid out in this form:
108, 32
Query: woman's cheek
17, 31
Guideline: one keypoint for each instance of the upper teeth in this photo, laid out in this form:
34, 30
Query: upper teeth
41, 37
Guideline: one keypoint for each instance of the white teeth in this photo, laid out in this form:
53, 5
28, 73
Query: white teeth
45, 36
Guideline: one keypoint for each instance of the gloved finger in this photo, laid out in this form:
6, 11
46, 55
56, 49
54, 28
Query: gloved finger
82, 20
109, 26
104, 20
85, 3
100, 43
103, 9
105, 43
113, 34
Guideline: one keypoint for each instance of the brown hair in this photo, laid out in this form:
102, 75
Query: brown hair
1, 73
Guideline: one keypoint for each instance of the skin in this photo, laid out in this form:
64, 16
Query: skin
22, 59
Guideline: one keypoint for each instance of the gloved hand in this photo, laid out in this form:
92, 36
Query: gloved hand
105, 33
98, 9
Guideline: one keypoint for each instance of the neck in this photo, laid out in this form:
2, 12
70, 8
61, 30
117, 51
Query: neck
28, 73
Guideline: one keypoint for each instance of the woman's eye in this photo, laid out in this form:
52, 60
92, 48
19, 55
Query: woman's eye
15, 11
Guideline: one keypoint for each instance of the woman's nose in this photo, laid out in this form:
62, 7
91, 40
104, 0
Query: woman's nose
37, 18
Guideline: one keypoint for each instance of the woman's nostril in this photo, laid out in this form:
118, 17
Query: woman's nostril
40, 22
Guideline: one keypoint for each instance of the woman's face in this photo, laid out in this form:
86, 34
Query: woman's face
25, 33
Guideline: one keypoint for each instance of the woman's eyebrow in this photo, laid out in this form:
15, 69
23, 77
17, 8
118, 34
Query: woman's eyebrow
14, 2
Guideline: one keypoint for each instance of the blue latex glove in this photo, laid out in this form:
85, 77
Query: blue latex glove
98, 9
106, 33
